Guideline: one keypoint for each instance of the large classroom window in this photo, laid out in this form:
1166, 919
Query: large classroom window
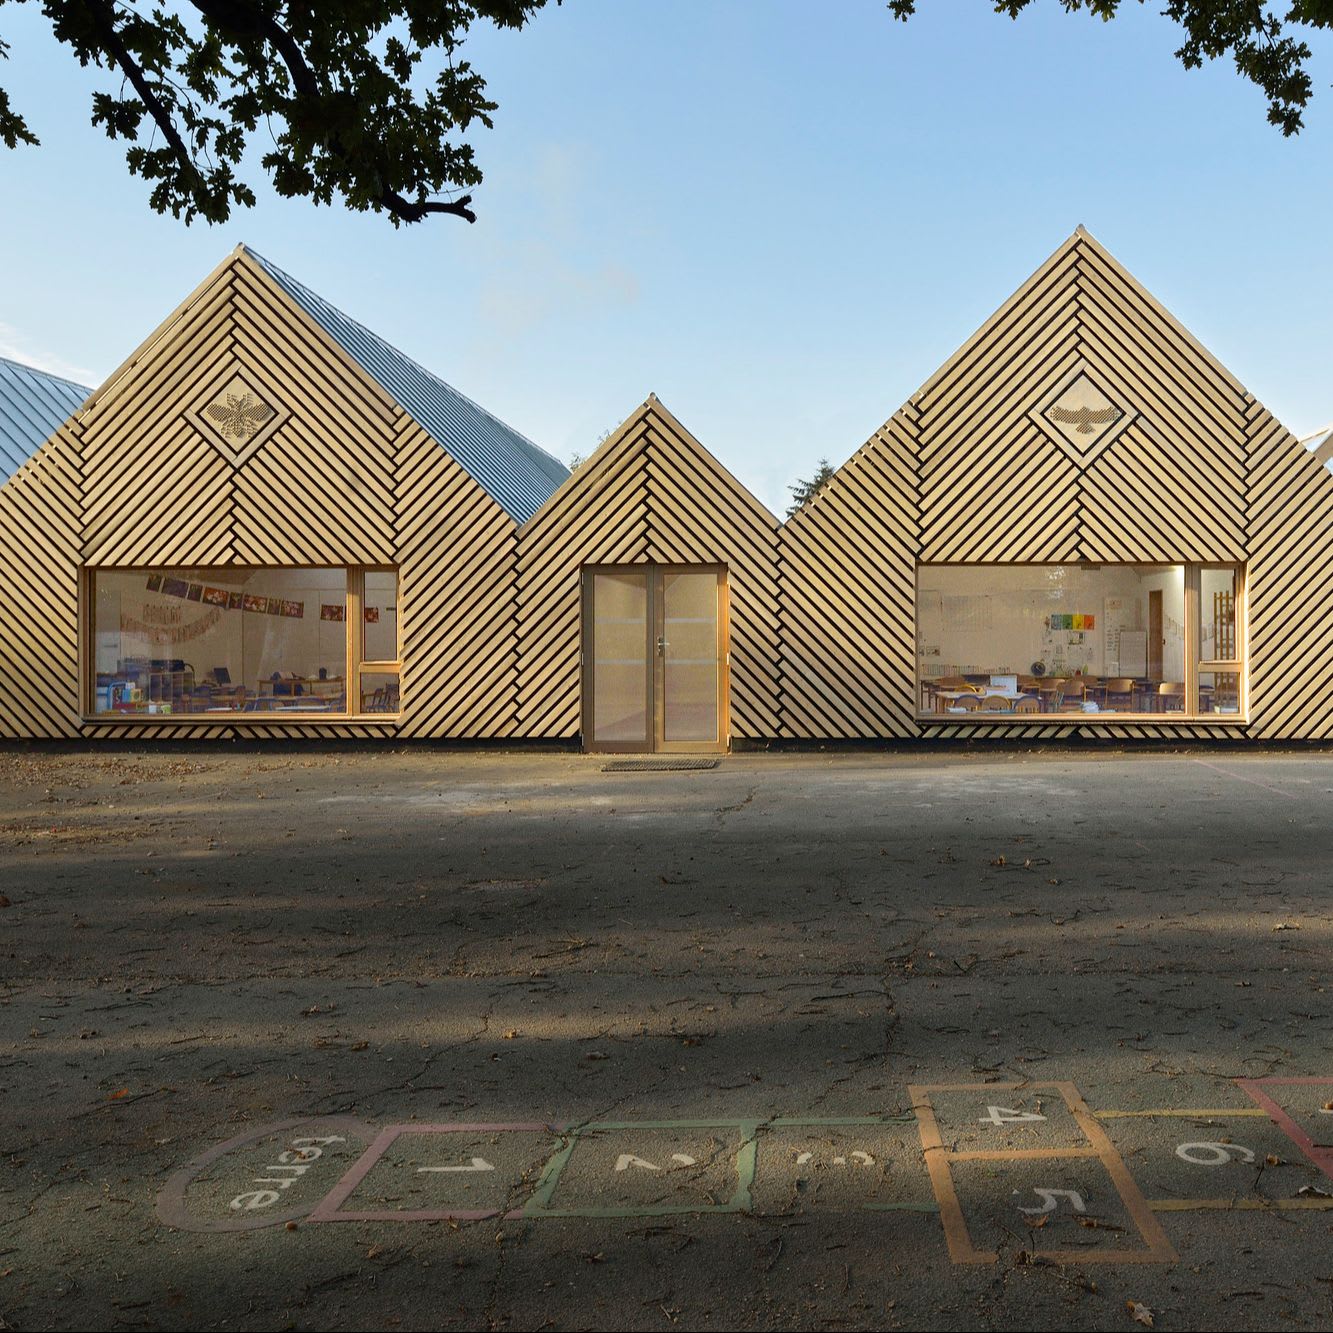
214, 641
1010, 641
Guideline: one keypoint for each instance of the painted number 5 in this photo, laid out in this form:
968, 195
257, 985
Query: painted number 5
1005, 1115
1051, 1201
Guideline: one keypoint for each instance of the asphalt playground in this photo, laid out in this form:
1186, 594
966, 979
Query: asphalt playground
439, 1039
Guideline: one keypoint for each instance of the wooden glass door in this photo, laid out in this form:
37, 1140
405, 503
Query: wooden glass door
655, 658
618, 638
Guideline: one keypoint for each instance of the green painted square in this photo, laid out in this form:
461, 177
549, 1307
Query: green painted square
650, 1171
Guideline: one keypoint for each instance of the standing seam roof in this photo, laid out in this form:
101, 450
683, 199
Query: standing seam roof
516, 473
33, 406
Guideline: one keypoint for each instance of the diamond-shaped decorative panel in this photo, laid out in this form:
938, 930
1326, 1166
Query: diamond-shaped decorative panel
1082, 417
236, 419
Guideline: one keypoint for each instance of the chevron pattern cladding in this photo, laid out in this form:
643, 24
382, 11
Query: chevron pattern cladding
1291, 585
39, 594
321, 489
848, 584
651, 493
1080, 423
457, 551
996, 486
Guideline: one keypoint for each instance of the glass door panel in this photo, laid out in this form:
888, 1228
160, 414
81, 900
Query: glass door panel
688, 657
621, 665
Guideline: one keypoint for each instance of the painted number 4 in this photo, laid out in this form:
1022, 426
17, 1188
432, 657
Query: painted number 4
1005, 1115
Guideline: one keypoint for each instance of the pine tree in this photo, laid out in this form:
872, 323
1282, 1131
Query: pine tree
803, 491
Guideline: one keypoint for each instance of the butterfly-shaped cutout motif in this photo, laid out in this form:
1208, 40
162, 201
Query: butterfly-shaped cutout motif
238, 416
236, 419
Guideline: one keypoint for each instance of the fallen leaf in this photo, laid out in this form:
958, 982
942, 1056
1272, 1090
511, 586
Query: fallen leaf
1139, 1313
116, 1096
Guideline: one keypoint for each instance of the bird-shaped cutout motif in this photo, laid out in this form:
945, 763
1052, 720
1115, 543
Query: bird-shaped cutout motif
1083, 419
238, 416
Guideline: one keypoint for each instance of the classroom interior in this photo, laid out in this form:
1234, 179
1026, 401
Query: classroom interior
226, 640
1086, 638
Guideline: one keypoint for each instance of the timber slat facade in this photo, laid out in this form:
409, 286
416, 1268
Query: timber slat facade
822, 609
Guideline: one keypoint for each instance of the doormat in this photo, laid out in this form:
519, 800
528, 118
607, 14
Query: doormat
656, 765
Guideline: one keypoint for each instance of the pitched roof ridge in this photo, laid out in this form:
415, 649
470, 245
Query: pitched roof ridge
47, 374
397, 351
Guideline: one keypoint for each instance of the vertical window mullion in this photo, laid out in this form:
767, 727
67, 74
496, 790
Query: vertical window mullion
1193, 638
356, 580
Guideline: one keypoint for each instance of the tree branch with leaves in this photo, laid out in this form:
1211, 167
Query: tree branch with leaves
339, 89
1267, 48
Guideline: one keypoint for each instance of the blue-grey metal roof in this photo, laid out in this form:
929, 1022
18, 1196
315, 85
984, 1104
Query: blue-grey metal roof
513, 471
1320, 444
33, 406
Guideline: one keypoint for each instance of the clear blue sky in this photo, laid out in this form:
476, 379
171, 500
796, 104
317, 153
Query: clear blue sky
779, 216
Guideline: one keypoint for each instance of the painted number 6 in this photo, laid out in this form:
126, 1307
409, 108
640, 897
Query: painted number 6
1213, 1154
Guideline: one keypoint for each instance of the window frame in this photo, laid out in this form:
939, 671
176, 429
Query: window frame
356, 595
353, 664
1219, 665
1195, 664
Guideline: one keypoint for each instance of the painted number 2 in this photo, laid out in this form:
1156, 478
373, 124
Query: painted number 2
1005, 1115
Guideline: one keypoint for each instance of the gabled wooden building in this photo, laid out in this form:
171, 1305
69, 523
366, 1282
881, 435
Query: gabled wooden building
270, 523
230, 524
1082, 523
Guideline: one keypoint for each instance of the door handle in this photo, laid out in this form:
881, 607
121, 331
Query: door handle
662, 646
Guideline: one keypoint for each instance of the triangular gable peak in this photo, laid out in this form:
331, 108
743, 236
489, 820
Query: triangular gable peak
263, 442
284, 444
1082, 421
650, 422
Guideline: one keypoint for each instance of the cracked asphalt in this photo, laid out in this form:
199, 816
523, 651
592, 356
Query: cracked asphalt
677, 1018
